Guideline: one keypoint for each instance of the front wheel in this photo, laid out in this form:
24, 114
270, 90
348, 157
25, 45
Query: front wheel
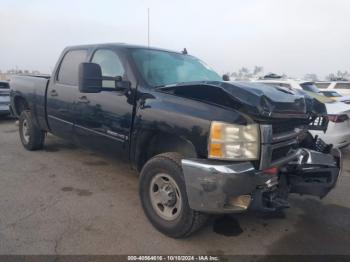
164, 199
32, 137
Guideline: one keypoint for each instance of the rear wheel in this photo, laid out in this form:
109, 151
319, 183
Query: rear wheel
32, 137
164, 199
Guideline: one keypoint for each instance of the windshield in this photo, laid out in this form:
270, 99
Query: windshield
311, 87
331, 94
159, 68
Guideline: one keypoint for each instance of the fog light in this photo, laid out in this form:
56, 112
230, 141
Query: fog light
242, 201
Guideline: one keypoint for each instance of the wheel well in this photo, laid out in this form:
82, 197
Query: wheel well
20, 105
163, 143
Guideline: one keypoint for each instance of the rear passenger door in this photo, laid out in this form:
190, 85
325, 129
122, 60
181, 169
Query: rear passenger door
63, 92
104, 119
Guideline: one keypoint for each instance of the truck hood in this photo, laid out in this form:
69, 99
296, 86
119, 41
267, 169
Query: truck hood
259, 100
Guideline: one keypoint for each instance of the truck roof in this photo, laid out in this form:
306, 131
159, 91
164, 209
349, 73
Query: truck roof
125, 45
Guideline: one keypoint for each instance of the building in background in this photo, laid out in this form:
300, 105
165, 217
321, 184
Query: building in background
9, 73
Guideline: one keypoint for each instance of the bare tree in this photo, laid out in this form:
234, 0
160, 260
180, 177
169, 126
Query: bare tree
245, 74
311, 77
339, 76
257, 70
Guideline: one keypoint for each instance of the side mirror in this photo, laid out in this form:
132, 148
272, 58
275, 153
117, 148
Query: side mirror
90, 78
225, 77
121, 85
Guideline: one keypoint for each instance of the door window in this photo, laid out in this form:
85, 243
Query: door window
68, 72
322, 85
110, 65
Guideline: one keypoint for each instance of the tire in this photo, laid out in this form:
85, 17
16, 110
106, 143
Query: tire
32, 137
166, 168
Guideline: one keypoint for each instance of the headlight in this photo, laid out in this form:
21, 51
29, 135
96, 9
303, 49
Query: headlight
234, 142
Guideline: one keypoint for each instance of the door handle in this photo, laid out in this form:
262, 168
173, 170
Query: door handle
53, 92
83, 100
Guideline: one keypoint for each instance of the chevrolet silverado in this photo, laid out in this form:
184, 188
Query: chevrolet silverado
201, 145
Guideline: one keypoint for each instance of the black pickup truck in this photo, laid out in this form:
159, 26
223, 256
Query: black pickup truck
201, 145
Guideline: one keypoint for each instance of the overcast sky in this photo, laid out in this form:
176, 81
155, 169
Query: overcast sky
284, 36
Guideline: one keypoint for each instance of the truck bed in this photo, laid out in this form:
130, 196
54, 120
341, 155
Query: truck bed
33, 89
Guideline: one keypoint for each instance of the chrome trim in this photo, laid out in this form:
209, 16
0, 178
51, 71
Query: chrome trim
99, 133
287, 135
336, 153
293, 156
270, 142
283, 115
265, 156
210, 185
265, 148
233, 168
266, 134
283, 144
317, 158
272, 182
59, 119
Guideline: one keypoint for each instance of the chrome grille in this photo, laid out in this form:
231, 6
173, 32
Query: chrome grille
278, 145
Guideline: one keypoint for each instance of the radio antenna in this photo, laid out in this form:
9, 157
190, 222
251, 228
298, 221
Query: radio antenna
148, 26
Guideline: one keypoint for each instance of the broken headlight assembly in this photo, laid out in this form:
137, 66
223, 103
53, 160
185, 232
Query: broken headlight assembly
234, 142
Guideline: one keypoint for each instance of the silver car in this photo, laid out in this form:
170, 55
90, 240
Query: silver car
4, 98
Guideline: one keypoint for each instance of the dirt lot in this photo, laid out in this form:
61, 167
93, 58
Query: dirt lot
65, 200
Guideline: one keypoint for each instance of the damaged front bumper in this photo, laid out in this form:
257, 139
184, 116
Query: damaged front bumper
219, 187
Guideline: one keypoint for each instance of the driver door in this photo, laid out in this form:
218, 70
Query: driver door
104, 119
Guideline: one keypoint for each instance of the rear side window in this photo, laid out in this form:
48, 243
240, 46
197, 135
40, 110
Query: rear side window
310, 87
322, 85
342, 86
68, 72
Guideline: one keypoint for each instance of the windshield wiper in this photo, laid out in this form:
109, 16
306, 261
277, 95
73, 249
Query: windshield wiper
167, 86
176, 84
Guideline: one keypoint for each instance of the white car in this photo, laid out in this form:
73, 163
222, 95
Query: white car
342, 87
338, 132
335, 95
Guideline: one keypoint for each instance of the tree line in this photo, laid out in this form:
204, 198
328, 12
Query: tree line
256, 72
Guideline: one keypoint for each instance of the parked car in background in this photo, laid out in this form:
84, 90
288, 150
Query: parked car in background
342, 87
335, 95
201, 145
338, 132
4, 98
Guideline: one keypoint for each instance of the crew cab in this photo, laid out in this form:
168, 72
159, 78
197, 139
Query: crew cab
201, 145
